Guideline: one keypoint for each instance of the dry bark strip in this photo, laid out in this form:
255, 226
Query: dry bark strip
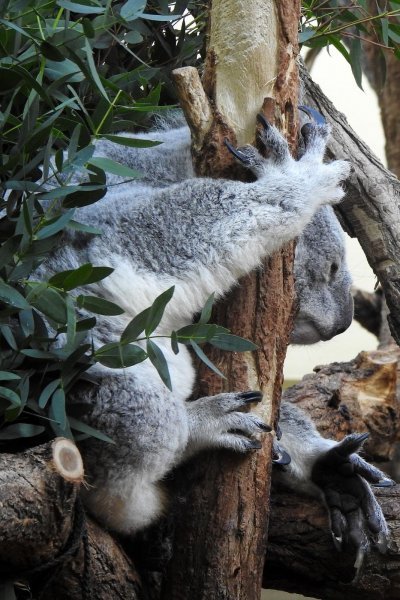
221, 530
371, 209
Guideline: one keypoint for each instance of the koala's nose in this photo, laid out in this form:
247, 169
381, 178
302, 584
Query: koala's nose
340, 330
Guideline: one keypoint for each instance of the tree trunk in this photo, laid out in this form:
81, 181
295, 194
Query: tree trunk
221, 530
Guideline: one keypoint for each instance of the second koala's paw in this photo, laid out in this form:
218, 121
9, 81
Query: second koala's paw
356, 517
218, 422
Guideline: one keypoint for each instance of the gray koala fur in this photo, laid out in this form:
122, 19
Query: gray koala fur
201, 235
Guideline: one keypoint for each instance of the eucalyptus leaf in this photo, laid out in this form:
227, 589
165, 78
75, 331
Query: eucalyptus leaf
8, 376
157, 310
47, 392
99, 305
77, 425
82, 8
135, 327
157, 358
10, 395
205, 359
20, 430
110, 166
51, 304
119, 356
58, 408
233, 343
11, 296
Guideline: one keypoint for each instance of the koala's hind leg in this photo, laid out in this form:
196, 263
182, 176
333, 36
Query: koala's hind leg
126, 503
217, 422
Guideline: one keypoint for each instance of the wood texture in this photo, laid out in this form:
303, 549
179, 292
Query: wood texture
356, 396
221, 529
301, 557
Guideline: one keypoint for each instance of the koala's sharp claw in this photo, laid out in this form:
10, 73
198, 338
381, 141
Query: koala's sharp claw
253, 445
264, 122
252, 396
337, 541
278, 432
351, 443
384, 483
236, 153
264, 427
313, 114
280, 456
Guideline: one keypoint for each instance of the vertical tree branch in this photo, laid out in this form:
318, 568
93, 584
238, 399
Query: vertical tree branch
221, 531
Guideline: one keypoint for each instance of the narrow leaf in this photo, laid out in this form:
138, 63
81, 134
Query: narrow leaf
10, 395
233, 343
20, 430
99, 305
205, 359
135, 327
206, 311
6, 376
56, 226
10, 296
84, 428
58, 408
119, 356
157, 310
47, 392
130, 142
111, 166
158, 360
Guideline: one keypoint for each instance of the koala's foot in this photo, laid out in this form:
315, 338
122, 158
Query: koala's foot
356, 517
217, 422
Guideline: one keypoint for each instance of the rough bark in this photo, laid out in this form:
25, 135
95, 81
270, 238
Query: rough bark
371, 209
356, 396
361, 395
301, 557
221, 530
42, 535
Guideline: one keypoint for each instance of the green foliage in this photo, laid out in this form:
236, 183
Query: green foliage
349, 25
72, 72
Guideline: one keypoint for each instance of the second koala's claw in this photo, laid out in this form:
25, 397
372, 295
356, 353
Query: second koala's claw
352, 443
384, 483
313, 114
280, 456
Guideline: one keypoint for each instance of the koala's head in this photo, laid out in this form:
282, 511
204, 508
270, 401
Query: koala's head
325, 305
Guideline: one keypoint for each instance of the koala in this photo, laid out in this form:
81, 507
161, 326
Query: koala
201, 235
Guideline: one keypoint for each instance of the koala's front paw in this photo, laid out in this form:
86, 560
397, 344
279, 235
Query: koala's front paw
356, 517
325, 177
217, 422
